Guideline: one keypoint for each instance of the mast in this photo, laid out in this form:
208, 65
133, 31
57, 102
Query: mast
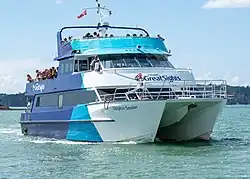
102, 12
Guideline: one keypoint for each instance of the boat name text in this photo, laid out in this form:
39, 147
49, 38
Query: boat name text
38, 87
122, 108
170, 78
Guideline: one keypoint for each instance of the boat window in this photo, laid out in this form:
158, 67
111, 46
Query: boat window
66, 68
71, 67
46, 100
164, 61
83, 65
141, 58
154, 61
78, 97
60, 101
68, 98
118, 61
130, 60
61, 68
134, 61
76, 66
37, 101
106, 61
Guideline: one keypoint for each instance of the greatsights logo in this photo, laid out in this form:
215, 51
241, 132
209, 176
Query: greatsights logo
156, 77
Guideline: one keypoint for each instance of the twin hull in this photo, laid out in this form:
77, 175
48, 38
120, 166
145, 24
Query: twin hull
139, 121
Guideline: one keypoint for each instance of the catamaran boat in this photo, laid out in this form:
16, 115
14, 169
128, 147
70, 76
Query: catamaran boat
118, 88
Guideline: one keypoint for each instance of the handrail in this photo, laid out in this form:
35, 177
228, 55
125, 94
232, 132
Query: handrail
103, 26
209, 89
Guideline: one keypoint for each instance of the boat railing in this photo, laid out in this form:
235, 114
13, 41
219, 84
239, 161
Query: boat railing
202, 89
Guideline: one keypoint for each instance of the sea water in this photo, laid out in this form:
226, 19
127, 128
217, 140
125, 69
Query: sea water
227, 155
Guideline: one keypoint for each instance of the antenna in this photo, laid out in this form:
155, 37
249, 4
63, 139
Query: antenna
103, 12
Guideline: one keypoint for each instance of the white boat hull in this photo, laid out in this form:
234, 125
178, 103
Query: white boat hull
136, 121
182, 124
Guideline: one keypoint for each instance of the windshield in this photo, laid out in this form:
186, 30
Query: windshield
134, 61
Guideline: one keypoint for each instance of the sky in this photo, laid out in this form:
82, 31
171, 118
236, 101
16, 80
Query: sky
210, 36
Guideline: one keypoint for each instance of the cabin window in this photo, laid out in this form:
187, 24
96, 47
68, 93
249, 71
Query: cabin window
83, 65
66, 66
106, 62
154, 61
47, 100
60, 101
130, 60
66, 69
134, 60
67, 98
79, 97
76, 66
70, 67
143, 60
61, 68
37, 101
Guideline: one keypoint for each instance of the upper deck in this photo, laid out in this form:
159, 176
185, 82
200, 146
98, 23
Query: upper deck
88, 45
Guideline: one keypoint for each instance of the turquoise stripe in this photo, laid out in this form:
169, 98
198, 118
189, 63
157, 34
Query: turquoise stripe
82, 131
101, 45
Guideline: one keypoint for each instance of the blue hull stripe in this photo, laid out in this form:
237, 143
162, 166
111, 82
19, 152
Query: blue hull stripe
79, 131
54, 130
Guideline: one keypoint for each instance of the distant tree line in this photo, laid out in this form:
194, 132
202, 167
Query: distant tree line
13, 100
237, 95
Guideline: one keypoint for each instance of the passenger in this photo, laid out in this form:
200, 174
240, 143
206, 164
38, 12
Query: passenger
38, 75
111, 35
141, 35
29, 78
128, 35
48, 74
44, 75
87, 35
53, 72
134, 35
70, 38
106, 35
56, 72
95, 64
95, 34
65, 40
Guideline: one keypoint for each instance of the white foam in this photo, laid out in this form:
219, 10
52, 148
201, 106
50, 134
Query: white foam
10, 131
60, 142
130, 142
42, 141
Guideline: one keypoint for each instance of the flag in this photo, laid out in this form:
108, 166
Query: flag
84, 13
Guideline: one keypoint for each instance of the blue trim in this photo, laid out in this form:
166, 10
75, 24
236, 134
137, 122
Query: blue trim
82, 131
52, 130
